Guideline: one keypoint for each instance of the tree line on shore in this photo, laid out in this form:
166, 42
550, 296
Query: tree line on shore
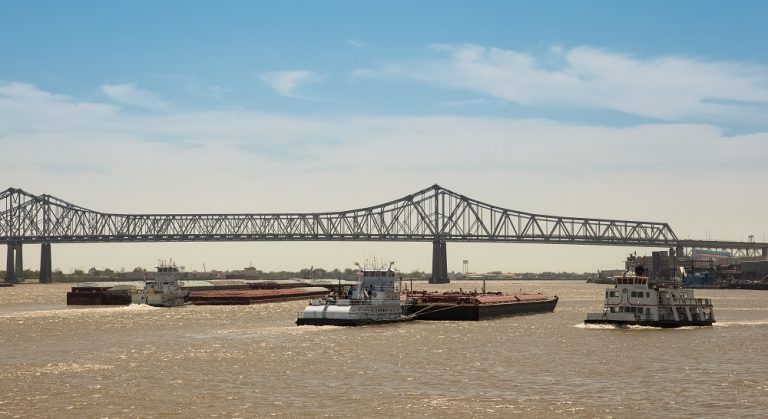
107, 274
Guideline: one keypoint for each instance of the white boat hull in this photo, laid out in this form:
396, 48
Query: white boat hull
159, 299
344, 314
627, 319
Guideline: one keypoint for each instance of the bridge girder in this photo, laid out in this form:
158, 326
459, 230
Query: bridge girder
734, 249
434, 213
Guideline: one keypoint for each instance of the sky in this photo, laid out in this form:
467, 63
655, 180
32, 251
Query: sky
651, 111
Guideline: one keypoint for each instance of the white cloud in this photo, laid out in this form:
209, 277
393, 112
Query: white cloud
101, 157
286, 82
356, 44
130, 94
668, 87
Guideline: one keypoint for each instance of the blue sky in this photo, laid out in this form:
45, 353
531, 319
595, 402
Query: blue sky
564, 103
181, 50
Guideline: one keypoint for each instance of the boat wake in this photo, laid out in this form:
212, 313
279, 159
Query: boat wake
595, 326
741, 323
71, 312
282, 330
631, 327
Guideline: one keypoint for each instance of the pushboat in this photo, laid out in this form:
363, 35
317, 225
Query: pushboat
375, 299
163, 290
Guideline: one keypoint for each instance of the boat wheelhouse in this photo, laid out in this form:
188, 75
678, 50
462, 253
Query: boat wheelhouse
374, 299
638, 300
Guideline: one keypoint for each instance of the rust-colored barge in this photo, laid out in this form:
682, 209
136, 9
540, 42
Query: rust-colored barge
225, 292
471, 306
240, 297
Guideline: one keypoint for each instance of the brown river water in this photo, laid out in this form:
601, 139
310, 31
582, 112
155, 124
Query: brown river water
252, 361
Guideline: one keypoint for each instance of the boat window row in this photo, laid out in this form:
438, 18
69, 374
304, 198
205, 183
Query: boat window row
381, 310
611, 293
631, 281
637, 310
379, 273
639, 294
679, 295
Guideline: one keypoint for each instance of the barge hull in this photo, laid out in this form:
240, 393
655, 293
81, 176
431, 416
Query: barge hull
477, 312
244, 297
98, 298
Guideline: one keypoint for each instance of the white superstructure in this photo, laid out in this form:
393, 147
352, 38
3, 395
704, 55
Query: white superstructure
163, 290
375, 298
636, 300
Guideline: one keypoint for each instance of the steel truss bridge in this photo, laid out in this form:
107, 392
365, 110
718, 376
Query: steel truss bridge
434, 214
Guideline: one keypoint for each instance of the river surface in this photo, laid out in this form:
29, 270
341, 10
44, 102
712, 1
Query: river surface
251, 361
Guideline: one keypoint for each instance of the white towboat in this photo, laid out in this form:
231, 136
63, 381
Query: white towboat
374, 299
164, 290
636, 300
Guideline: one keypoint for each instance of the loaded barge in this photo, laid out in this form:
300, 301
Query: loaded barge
242, 297
167, 288
101, 293
473, 306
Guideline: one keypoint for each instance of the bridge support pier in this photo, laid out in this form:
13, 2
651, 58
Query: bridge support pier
679, 251
14, 271
46, 276
439, 263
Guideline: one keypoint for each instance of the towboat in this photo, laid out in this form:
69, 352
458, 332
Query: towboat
164, 290
636, 300
374, 299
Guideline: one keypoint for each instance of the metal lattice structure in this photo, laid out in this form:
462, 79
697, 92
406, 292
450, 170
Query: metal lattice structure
734, 249
434, 213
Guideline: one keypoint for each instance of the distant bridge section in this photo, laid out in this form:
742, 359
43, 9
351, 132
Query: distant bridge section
433, 214
736, 249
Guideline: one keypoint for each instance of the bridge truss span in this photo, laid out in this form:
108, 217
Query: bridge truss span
434, 213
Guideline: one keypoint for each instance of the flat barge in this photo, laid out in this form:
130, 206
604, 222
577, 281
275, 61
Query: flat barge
471, 306
254, 296
101, 294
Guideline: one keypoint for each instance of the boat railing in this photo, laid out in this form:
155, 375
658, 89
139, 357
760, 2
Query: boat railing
686, 301
337, 302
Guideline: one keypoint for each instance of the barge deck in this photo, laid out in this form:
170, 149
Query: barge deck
466, 306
